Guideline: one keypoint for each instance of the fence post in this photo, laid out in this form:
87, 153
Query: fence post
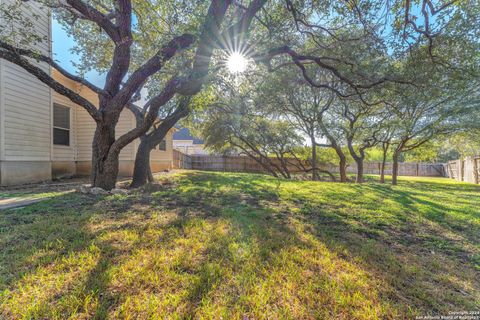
417, 169
462, 169
475, 169
452, 174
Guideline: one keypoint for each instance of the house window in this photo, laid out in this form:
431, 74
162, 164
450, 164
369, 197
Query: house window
162, 145
61, 125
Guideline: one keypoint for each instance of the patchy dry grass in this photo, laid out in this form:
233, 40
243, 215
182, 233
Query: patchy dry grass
242, 246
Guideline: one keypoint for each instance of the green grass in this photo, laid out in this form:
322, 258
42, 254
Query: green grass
244, 246
29, 194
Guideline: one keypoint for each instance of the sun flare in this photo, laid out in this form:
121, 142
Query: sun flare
236, 63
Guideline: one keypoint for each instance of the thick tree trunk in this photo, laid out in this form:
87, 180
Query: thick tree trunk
142, 172
314, 159
104, 162
384, 161
150, 174
396, 154
359, 178
342, 167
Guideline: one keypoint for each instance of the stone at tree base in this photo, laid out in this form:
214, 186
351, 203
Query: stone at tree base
97, 191
84, 189
119, 191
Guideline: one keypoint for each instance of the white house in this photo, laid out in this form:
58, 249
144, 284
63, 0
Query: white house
184, 142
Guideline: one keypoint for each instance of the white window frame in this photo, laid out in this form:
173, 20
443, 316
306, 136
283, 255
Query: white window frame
61, 128
164, 139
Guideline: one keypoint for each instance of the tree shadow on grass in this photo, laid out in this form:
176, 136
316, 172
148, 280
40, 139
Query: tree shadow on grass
424, 247
449, 214
53, 257
39, 233
75, 250
210, 245
425, 251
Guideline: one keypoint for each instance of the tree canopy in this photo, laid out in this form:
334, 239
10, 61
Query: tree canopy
376, 59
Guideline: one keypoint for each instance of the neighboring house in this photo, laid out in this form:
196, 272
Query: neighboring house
43, 135
184, 142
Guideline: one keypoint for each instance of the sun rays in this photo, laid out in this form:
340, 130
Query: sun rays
238, 55
236, 63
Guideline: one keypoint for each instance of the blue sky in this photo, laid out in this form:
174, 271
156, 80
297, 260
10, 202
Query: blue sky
62, 45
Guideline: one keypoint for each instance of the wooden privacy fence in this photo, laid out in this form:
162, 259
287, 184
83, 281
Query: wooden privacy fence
404, 169
181, 160
246, 164
239, 164
467, 169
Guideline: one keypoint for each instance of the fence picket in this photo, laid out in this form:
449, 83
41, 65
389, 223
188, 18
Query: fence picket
464, 169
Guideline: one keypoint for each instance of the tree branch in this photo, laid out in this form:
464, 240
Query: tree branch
35, 55
90, 13
152, 66
49, 81
208, 38
121, 53
154, 105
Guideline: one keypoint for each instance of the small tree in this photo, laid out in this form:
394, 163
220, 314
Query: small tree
270, 143
421, 118
362, 128
292, 99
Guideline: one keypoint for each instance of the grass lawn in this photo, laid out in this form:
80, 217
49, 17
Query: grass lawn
244, 246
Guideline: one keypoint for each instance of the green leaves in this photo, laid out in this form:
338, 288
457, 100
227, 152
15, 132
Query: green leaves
17, 24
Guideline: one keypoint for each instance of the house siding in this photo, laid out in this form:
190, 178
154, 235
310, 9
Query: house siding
63, 157
25, 115
163, 160
84, 129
